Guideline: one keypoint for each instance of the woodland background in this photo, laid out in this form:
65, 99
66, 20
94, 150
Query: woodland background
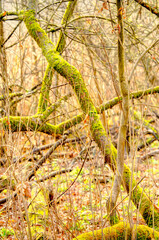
55, 171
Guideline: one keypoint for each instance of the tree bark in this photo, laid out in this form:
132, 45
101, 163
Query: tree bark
76, 81
123, 120
121, 231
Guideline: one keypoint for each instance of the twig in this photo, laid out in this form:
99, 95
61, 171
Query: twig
11, 33
49, 152
135, 65
147, 143
148, 155
40, 162
148, 7
77, 174
44, 147
123, 200
53, 174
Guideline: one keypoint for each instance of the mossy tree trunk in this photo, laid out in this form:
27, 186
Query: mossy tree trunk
121, 231
47, 81
76, 81
27, 123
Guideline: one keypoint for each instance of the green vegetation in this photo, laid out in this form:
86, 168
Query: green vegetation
4, 233
91, 68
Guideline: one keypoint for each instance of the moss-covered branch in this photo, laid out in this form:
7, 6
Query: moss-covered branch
6, 13
44, 94
121, 231
72, 75
76, 81
15, 123
46, 84
53, 107
138, 116
34, 123
146, 143
66, 17
134, 95
141, 201
11, 95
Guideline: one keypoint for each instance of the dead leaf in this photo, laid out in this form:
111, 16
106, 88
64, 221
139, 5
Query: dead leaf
105, 6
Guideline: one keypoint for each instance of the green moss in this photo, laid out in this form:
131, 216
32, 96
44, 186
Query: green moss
134, 95
22, 123
67, 15
144, 232
5, 233
75, 79
38, 212
113, 219
121, 231
116, 232
142, 202
44, 94
53, 107
146, 123
34, 123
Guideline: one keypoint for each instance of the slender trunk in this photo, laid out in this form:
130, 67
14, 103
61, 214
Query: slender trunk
123, 120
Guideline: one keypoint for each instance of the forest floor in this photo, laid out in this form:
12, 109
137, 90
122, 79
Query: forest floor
83, 206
